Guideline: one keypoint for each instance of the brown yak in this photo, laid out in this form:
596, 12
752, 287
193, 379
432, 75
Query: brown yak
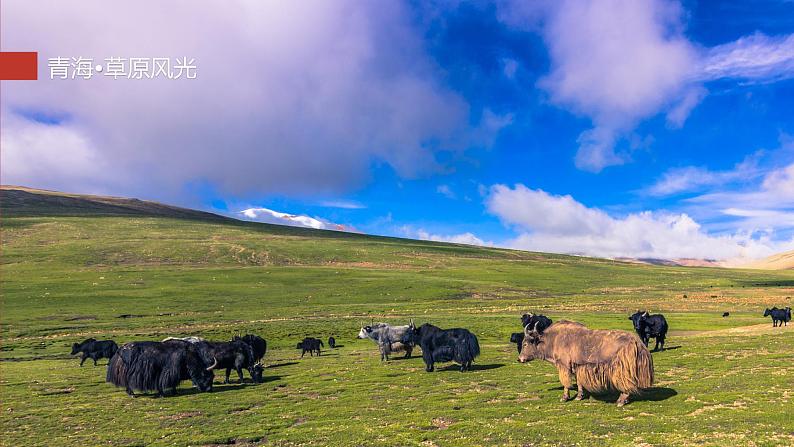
600, 360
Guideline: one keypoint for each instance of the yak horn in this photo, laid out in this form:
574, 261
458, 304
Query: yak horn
213, 365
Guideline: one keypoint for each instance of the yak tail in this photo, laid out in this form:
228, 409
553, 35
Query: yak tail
468, 348
474, 346
644, 368
117, 371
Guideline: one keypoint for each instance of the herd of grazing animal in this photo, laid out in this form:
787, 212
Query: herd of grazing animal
599, 360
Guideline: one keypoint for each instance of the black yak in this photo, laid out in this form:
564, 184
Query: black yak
726, 314
780, 317
331, 342
257, 343
237, 355
158, 366
648, 326
601, 360
95, 350
517, 338
310, 345
388, 338
542, 321
444, 345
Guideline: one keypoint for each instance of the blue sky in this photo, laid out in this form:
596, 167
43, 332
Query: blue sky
648, 128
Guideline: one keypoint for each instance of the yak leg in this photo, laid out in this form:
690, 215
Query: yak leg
408, 349
94, 358
565, 379
228, 373
82, 358
623, 399
579, 390
240, 373
428, 358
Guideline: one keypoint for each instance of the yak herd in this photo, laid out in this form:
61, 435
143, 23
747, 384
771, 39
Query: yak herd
599, 360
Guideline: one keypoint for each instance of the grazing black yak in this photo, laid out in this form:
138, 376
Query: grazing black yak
444, 345
310, 345
331, 342
726, 314
648, 326
517, 338
159, 366
600, 360
95, 349
257, 343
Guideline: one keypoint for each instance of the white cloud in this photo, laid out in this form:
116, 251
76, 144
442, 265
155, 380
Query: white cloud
291, 97
344, 204
446, 191
755, 58
775, 192
295, 220
616, 62
619, 62
63, 155
690, 179
560, 224
463, 238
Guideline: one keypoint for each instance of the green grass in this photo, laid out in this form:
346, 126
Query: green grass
727, 380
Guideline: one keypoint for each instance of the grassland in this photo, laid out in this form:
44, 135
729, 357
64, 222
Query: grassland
64, 278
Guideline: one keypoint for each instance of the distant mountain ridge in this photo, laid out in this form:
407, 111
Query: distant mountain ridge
23, 201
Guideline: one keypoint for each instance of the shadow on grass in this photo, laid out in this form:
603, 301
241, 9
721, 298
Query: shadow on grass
654, 394
217, 388
454, 367
279, 365
402, 357
670, 348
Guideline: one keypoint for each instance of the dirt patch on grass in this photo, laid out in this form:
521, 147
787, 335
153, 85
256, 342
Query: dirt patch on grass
756, 329
180, 416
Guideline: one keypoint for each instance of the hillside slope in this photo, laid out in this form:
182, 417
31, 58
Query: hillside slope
780, 261
22, 201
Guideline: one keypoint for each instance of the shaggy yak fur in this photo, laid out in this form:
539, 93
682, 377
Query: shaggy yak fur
156, 366
444, 345
390, 339
95, 350
601, 360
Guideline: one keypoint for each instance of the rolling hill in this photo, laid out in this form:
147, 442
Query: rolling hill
780, 261
74, 267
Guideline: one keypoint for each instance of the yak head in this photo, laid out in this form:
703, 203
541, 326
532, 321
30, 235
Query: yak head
638, 319
767, 313
364, 332
516, 337
529, 347
75, 348
256, 372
